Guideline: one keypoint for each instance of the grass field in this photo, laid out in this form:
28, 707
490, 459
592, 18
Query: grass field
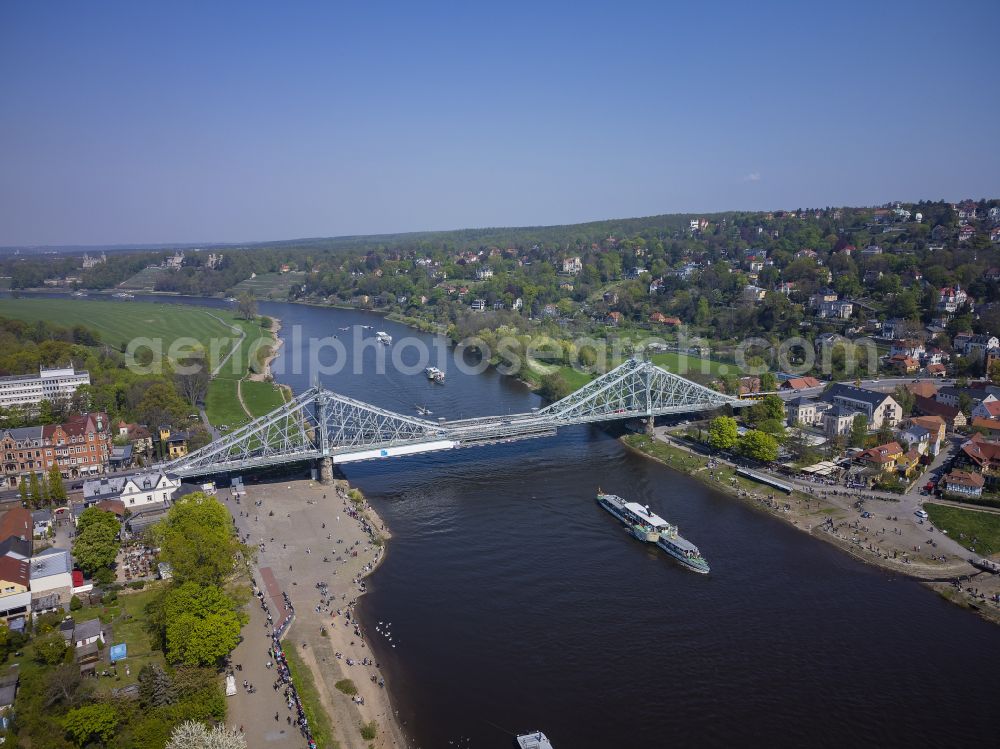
261, 397
305, 683
222, 403
269, 285
978, 531
683, 364
118, 323
144, 279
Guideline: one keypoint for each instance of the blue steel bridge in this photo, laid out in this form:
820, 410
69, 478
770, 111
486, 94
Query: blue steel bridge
320, 425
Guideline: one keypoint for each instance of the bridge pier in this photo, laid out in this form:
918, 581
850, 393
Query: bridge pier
326, 471
649, 427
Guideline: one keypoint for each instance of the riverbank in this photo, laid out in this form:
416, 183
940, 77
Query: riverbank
318, 544
890, 541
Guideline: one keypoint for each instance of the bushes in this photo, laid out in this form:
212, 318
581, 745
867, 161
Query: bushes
347, 687
369, 731
75, 604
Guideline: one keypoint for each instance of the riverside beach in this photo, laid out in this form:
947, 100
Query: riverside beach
315, 544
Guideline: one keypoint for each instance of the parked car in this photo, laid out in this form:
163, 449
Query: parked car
921, 514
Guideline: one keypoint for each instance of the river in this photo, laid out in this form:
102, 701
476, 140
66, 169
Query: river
517, 604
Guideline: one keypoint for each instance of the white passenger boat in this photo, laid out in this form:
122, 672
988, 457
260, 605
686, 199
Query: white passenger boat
682, 550
639, 520
383, 337
433, 373
533, 740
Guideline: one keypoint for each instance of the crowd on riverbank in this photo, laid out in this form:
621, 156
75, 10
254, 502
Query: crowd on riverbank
318, 543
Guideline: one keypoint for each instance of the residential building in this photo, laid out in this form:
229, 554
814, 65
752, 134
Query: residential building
987, 410
935, 427
910, 347
821, 297
983, 456
484, 273
136, 490
952, 396
50, 384
801, 411
883, 458
878, 408
951, 415
661, 319
840, 309
838, 421
86, 633
753, 293
950, 298
174, 444
572, 265
51, 580
799, 383
17, 523
15, 578
41, 521
963, 484
903, 364
978, 345
918, 438
986, 426
81, 446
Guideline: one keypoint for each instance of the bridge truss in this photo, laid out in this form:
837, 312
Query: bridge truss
321, 424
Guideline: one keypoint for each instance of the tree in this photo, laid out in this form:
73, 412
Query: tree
160, 404
247, 306
193, 735
192, 382
768, 382
859, 430
34, 490
994, 372
759, 446
64, 685
23, 490
884, 434
769, 407
96, 544
57, 489
202, 624
196, 539
722, 433
50, 649
905, 399
155, 687
97, 720
774, 427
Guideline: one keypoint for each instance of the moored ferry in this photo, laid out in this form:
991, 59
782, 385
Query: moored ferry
640, 521
682, 550
383, 337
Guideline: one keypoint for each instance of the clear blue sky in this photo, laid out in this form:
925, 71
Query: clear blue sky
121, 122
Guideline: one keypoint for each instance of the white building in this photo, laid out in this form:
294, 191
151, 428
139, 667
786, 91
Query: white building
51, 580
572, 265
133, 491
484, 273
50, 385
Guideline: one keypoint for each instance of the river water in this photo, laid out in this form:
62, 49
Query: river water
516, 603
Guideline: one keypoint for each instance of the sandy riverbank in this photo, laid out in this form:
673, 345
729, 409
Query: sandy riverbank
265, 373
890, 540
312, 534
